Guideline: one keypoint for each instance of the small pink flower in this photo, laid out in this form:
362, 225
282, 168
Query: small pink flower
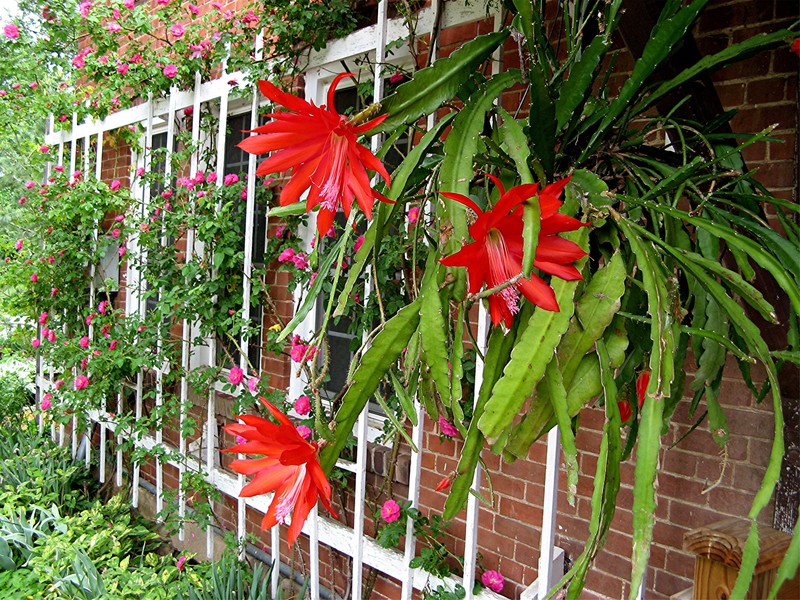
11, 31
58, 384
180, 562
51, 337
446, 427
122, 251
300, 261
312, 278
358, 244
170, 71
252, 384
413, 214
129, 4
390, 511
286, 255
43, 318
53, 292
114, 185
304, 432
112, 345
47, 401
280, 230
84, 8
44, 148
230, 179
300, 351
302, 406
30, 184
101, 308
34, 278
115, 232
81, 382
84, 342
194, 9
103, 60
113, 27
140, 171
35, 342
235, 375
493, 580
396, 77
177, 30
18, 244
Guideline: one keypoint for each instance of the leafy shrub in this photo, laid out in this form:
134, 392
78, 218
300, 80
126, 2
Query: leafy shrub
16, 387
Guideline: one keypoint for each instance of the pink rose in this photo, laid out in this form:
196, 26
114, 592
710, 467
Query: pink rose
11, 31
413, 214
35, 343
43, 318
81, 382
18, 244
235, 375
46, 401
390, 511
304, 432
58, 384
286, 255
170, 71
34, 278
114, 185
358, 244
181, 560
300, 261
493, 580
84, 342
302, 406
252, 384
44, 148
51, 337
112, 345
446, 427
194, 9
177, 30
113, 27
129, 4
230, 179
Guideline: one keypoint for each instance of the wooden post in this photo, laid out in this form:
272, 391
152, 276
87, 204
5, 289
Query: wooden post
718, 550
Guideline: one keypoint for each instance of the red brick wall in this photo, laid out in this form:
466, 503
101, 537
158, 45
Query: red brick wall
764, 90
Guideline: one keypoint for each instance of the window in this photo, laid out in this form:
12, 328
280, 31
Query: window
236, 162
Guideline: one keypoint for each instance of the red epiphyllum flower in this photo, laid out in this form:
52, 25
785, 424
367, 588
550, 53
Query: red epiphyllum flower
496, 254
321, 148
288, 466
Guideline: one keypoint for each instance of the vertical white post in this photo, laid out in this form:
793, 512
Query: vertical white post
358, 503
186, 326
313, 553
471, 535
275, 543
148, 144
211, 415
119, 443
413, 495
547, 542
98, 169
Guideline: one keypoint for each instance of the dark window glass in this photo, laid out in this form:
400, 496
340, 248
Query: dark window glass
236, 162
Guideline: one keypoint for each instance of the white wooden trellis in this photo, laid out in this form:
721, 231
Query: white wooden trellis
350, 541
